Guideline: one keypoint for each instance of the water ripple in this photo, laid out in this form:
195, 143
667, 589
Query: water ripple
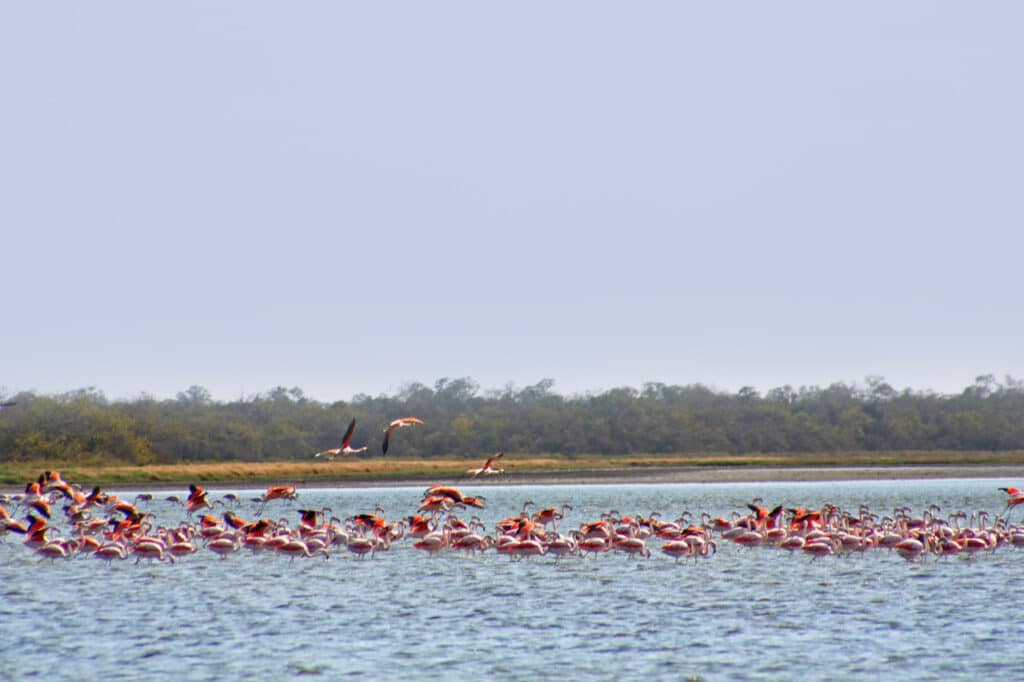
742, 614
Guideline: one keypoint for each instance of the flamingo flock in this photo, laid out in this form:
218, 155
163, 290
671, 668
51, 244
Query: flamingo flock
105, 527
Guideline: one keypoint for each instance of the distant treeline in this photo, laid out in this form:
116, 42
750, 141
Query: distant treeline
84, 426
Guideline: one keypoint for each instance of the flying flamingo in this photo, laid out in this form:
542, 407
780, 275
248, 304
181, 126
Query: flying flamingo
398, 424
1014, 496
488, 468
197, 499
276, 492
438, 490
436, 503
346, 445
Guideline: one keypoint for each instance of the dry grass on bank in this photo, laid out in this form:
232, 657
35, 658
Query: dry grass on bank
384, 470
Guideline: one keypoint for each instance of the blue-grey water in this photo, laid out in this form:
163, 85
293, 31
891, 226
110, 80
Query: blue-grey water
742, 614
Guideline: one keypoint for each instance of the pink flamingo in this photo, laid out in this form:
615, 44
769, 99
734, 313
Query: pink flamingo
398, 424
488, 467
346, 445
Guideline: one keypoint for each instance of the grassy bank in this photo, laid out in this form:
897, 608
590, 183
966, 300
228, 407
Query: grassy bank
383, 470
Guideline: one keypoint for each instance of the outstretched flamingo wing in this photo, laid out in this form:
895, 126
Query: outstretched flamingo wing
348, 434
396, 424
409, 421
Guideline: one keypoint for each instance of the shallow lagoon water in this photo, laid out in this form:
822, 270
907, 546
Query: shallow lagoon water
759, 614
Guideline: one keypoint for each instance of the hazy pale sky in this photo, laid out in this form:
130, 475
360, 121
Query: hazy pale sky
347, 197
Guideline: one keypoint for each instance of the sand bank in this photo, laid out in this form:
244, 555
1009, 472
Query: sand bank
656, 475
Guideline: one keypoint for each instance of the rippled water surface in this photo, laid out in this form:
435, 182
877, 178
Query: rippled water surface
741, 614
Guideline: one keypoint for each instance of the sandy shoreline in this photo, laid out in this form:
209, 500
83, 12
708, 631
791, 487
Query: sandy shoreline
629, 475
720, 475
1010, 474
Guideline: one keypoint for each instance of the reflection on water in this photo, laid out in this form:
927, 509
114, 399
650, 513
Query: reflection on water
741, 614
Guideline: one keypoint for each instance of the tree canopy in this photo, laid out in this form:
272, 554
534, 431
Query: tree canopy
461, 420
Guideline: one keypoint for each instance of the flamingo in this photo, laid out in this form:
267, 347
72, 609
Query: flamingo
750, 538
439, 490
487, 468
233, 520
56, 549
151, 549
561, 545
472, 542
433, 543
361, 546
764, 517
594, 545
87, 545
224, 545
308, 517
398, 424
51, 480
111, 551
210, 527
1014, 496
436, 503
821, 547
276, 492
551, 515
677, 549
632, 546
525, 548
477, 501
196, 499
41, 506
294, 548
182, 543
913, 549
346, 445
